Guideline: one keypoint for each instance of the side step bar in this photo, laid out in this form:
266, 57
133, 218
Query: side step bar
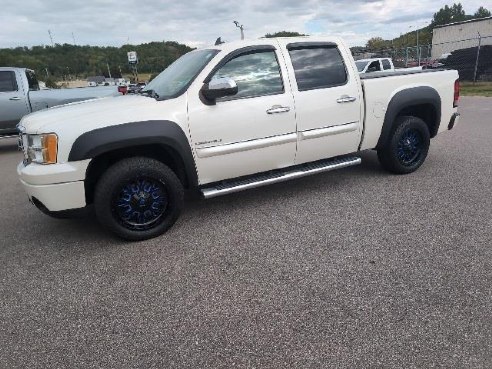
263, 179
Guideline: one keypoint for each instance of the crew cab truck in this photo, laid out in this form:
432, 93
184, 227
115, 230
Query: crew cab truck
20, 95
228, 118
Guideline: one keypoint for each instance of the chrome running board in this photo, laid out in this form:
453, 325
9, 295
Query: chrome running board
263, 179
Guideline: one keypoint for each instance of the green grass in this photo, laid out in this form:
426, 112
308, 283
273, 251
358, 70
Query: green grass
476, 89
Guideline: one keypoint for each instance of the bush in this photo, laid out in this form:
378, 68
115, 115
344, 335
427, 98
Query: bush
51, 83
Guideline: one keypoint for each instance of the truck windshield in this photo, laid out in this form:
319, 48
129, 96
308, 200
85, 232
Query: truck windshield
176, 78
361, 65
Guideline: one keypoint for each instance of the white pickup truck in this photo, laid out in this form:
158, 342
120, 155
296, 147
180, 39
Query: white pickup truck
20, 95
228, 118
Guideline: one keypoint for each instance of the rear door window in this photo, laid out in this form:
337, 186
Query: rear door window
7, 81
318, 67
386, 64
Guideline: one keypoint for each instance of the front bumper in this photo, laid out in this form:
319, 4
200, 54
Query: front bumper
57, 197
56, 187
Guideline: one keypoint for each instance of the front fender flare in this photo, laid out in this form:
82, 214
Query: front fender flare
163, 132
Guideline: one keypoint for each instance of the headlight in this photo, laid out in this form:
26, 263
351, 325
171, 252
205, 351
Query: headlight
42, 149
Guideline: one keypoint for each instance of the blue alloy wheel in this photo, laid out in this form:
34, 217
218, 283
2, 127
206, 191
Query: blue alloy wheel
410, 147
140, 203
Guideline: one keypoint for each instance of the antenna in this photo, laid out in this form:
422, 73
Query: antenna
241, 27
51, 38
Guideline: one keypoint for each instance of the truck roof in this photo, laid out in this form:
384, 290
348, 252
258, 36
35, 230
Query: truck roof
233, 45
13, 69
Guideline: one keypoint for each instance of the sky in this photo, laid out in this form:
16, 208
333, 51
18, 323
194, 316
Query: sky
198, 23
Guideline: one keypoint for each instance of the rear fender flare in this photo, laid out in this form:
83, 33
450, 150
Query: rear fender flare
404, 99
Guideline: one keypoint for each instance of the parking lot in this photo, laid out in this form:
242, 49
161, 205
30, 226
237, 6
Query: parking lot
353, 268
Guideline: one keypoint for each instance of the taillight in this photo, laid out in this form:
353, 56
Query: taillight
456, 93
122, 90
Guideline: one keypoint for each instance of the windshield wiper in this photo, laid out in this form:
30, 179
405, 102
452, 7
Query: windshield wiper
150, 93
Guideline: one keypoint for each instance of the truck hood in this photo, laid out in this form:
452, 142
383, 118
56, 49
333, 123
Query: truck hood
89, 114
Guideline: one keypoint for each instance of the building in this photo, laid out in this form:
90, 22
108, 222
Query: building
461, 35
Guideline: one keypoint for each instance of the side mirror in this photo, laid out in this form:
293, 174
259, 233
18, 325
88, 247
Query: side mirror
219, 87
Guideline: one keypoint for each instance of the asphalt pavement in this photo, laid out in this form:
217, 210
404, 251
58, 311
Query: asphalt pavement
355, 268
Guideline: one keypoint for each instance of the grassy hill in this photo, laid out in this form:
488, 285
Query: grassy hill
82, 61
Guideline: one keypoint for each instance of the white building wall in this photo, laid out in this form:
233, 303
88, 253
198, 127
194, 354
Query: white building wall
458, 36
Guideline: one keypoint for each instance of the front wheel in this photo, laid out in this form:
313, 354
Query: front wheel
138, 198
407, 147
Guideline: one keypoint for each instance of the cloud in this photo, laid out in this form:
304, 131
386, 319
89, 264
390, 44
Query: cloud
200, 22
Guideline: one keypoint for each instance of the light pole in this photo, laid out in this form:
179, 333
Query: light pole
241, 27
418, 46
417, 28
109, 72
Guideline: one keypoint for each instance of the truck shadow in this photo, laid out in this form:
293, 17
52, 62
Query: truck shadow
86, 233
338, 181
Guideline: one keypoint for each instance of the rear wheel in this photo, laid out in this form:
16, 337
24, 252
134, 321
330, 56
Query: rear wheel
138, 198
407, 147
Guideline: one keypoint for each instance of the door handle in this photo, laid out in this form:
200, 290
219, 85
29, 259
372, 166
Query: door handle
275, 109
346, 99
15, 98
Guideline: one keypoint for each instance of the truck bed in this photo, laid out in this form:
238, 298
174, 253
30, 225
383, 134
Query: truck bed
380, 88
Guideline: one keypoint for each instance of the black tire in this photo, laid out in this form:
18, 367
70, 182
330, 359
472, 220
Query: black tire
407, 147
138, 198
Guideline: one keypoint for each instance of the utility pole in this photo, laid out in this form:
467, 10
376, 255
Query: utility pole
478, 56
241, 27
51, 38
418, 47
73, 37
109, 72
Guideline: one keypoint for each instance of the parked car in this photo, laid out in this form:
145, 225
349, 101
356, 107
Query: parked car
228, 118
375, 65
134, 88
20, 94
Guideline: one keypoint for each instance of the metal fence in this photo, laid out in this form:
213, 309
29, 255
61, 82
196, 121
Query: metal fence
471, 57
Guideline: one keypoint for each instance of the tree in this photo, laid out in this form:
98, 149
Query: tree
83, 61
377, 43
482, 13
284, 34
446, 15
